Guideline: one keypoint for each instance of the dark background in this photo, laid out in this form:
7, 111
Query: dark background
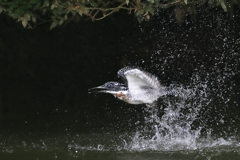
45, 75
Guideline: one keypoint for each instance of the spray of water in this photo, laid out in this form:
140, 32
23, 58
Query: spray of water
174, 130
207, 112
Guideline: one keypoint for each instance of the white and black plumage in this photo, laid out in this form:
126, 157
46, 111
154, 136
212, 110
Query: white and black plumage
140, 87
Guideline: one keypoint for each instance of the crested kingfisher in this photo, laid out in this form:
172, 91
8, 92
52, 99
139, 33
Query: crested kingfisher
139, 87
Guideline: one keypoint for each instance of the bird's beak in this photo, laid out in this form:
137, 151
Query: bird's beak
98, 89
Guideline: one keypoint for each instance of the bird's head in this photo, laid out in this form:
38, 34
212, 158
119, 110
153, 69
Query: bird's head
109, 87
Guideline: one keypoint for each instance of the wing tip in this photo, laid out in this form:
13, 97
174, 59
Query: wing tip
128, 68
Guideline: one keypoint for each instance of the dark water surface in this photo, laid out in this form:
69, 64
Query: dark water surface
114, 146
46, 112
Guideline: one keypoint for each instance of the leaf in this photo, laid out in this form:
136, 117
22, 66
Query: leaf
46, 3
140, 18
27, 17
24, 23
85, 10
65, 17
138, 12
151, 1
54, 24
53, 6
55, 12
223, 5
185, 1
60, 10
73, 13
44, 11
80, 13
34, 1
37, 5
151, 11
94, 4
34, 19
61, 22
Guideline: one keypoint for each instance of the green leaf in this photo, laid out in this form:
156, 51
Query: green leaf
92, 3
34, 20
53, 6
85, 10
223, 5
27, 17
73, 12
37, 5
24, 23
46, 3
44, 11
34, 1
60, 10
61, 21
140, 18
54, 24
151, 11
80, 13
66, 17
138, 12
19, 11
55, 12
151, 1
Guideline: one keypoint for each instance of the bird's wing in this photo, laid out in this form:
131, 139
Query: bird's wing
140, 81
121, 74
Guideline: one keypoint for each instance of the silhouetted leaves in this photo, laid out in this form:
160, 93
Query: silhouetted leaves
60, 11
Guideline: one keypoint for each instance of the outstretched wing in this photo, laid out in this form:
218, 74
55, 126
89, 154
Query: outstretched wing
139, 81
121, 74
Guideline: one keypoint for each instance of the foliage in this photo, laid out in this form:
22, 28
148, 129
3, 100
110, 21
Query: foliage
35, 12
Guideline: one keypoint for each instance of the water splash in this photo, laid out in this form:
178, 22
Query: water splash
183, 125
209, 72
174, 130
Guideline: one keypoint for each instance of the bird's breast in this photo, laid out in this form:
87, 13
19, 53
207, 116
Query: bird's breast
122, 96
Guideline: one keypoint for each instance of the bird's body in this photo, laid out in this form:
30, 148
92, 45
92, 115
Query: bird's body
140, 87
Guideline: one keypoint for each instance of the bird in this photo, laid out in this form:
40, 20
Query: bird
139, 87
